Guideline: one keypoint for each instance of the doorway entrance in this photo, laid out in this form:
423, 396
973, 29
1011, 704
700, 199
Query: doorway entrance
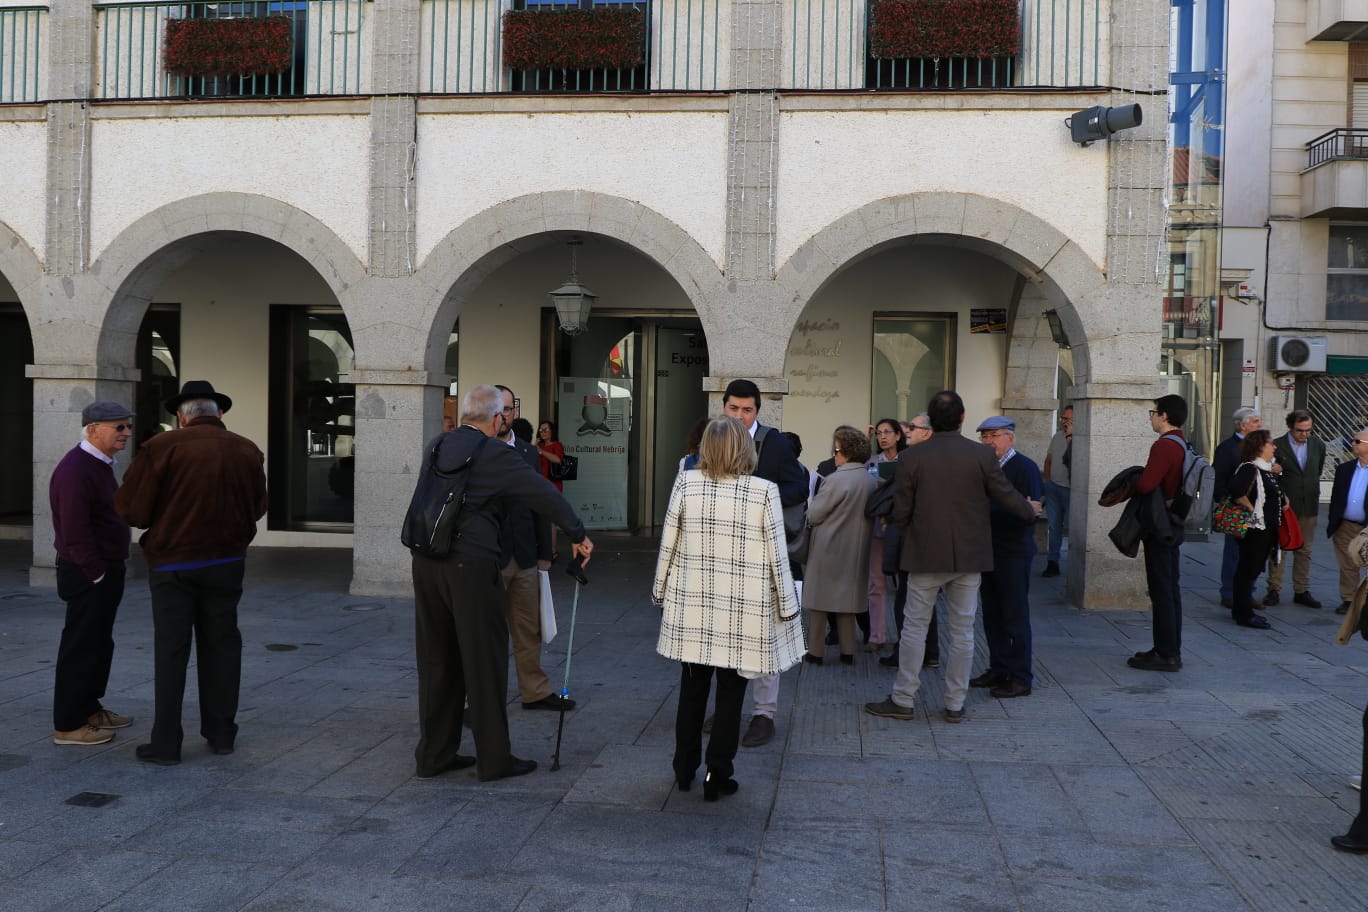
626, 392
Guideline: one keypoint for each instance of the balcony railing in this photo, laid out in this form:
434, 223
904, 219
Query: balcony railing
1063, 44
462, 49
21, 43
1335, 145
327, 54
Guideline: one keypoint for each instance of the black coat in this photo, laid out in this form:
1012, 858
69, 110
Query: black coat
524, 536
1339, 495
1223, 465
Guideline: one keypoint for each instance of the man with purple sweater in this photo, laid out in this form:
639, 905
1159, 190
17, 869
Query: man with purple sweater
92, 545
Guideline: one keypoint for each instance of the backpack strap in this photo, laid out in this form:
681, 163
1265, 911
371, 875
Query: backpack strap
761, 432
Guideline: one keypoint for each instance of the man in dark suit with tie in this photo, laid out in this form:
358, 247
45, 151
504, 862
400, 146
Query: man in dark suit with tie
941, 494
1301, 455
1006, 610
777, 463
525, 540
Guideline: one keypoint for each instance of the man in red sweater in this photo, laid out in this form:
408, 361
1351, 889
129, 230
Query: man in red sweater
1164, 470
92, 545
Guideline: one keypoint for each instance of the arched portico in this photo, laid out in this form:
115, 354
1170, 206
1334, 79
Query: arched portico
1111, 328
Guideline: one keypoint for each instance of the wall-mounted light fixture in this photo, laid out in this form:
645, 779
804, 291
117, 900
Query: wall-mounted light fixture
1088, 126
1056, 329
572, 300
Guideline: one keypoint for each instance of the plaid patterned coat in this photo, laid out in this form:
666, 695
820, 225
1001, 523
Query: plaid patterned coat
723, 580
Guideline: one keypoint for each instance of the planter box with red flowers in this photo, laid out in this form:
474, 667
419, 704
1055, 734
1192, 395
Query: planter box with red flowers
600, 38
958, 31
208, 48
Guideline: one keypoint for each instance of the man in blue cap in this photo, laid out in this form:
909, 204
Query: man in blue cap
1006, 610
92, 545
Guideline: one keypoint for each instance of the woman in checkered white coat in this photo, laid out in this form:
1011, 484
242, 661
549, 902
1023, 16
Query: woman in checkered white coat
728, 604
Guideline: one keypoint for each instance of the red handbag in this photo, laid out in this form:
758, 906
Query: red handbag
1289, 531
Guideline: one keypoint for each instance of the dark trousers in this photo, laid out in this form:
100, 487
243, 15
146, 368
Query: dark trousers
461, 638
694, 683
1007, 617
900, 615
1166, 602
1254, 550
1359, 828
87, 645
1230, 559
199, 605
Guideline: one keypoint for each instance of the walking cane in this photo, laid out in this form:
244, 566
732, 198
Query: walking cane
575, 569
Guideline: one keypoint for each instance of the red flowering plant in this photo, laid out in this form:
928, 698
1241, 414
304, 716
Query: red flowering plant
902, 29
204, 48
612, 38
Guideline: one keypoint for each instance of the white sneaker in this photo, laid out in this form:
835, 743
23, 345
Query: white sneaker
1356, 783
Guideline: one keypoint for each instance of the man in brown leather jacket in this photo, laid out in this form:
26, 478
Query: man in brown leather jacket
198, 491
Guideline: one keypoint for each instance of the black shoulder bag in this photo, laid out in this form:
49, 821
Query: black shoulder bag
430, 525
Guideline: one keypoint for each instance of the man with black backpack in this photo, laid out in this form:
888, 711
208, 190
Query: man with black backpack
461, 631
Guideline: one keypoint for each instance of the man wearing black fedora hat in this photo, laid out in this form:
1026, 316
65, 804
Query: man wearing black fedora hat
198, 491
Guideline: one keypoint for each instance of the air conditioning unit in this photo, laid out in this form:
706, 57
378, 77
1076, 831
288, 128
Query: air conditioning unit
1304, 354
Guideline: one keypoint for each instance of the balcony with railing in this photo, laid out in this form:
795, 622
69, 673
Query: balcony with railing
22, 39
267, 49
1335, 182
295, 48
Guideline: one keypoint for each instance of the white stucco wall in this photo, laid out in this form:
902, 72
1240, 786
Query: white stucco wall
319, 164
832, 386
23, 188
673, 163
1020, 157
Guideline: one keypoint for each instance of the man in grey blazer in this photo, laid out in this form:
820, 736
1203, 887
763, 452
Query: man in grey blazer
1301, 454
941, 495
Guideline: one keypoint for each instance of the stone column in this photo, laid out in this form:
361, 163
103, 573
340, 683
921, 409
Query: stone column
1032, 369
394, 138
392, 408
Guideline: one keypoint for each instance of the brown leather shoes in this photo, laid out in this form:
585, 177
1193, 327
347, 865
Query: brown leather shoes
760, 731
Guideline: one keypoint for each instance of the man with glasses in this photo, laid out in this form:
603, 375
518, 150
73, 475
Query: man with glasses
1058, 462
1301, 455
1164, 471
525, 540
92, 545
1347, 513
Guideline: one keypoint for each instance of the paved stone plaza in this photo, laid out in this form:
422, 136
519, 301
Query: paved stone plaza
1108, 789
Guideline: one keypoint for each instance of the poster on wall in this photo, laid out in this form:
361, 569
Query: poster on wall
595, 425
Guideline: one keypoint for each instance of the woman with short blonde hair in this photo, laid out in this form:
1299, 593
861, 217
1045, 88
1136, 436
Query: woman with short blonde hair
726, 450
729, 608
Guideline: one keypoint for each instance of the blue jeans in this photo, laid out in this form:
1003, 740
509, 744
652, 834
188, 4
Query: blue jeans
1057, 511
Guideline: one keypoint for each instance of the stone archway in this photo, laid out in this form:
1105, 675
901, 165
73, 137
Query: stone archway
1112, 328
466, 256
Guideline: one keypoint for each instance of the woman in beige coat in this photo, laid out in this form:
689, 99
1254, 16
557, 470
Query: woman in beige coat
728, 604
836, 578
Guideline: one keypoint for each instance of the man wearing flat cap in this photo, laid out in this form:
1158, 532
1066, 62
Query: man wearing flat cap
92, 545
1006, 610
198, 491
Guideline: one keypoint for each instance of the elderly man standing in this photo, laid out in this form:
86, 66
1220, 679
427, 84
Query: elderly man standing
1301, 455
1058, 464
92, 545
460, 625
198, 491
1006, 610
1348, 513
1224, 463
942, 492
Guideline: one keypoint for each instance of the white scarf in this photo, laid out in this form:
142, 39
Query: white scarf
1257, 520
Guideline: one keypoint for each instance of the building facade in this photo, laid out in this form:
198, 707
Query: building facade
1295, 240
784, 190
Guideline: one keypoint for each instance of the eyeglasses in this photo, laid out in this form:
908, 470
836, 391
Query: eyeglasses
1297, 430
921, 427
1356, 440
120, 428
835, 451
509, 409
1153, 413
